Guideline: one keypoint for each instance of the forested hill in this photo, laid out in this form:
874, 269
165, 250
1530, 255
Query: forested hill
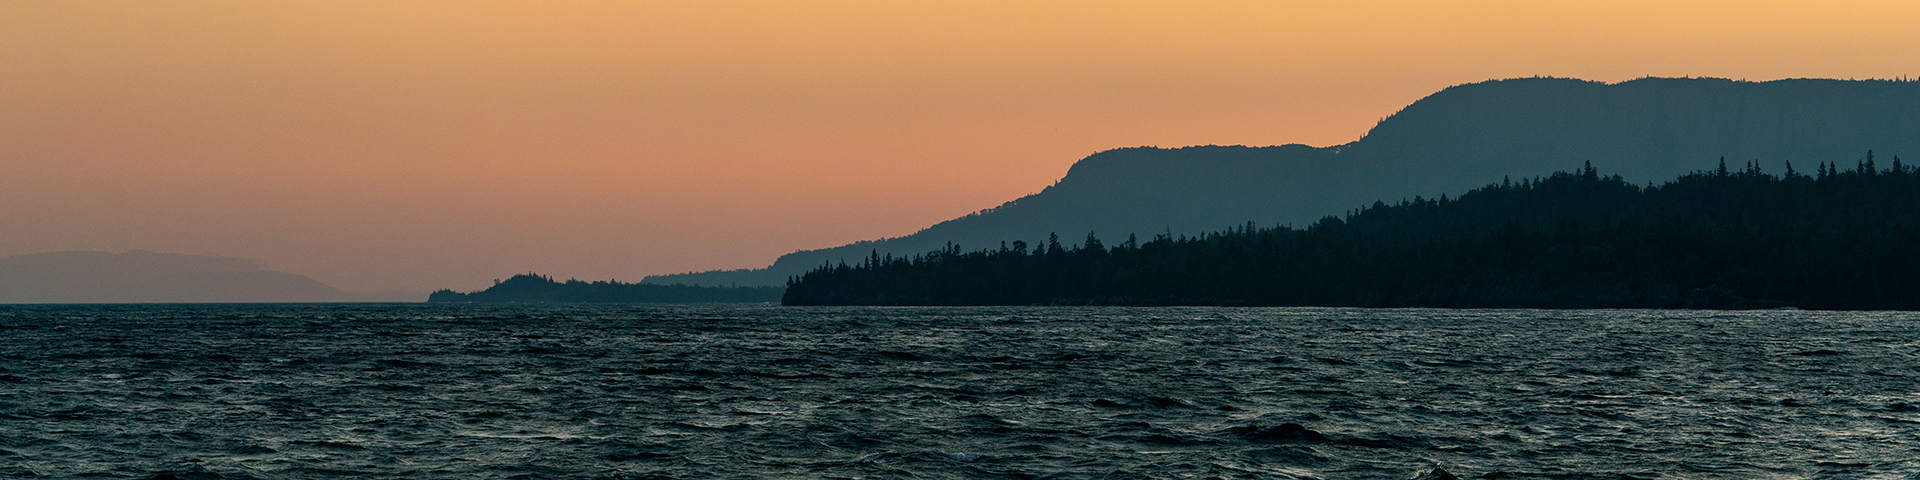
1835, 239
530, 288
1645, 130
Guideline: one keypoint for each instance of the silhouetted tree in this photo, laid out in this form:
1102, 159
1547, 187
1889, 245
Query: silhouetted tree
536, 288
1708, 240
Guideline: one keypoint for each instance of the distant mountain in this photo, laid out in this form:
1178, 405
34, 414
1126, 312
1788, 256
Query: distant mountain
141, 276
531, 288
1447, 143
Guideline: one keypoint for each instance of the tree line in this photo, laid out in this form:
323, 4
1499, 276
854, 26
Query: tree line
1833, 239
536, 288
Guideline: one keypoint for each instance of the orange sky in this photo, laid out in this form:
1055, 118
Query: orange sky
421, 145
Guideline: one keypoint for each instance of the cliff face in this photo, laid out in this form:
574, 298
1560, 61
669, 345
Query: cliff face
145, 277
1455, 140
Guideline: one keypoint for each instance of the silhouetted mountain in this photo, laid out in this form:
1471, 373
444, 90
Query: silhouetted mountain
141, 276
531, 288
1838, 239
1645, 130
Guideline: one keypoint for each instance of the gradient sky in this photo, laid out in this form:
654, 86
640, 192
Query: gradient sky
417, 145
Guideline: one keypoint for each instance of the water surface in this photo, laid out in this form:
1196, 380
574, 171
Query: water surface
749, 391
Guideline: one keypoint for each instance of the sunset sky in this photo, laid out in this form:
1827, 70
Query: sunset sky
418, 145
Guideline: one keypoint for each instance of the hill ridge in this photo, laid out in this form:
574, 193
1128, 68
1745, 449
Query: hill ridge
140, 276
1446, 143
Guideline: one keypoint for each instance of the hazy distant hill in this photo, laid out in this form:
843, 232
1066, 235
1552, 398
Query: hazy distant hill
141, 276
1450, 142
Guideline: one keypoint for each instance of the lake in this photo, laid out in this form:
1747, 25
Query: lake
294, 391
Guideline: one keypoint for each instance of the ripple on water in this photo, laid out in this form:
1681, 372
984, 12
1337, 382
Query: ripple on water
635, 391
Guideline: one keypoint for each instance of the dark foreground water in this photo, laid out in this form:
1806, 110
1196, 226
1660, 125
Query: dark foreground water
464, 391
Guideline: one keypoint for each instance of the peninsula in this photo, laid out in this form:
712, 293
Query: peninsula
1718, 239
535, 288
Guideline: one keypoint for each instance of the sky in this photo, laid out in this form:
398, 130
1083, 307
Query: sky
419, 145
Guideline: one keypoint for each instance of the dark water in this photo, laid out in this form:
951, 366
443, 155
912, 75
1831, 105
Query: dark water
461, 391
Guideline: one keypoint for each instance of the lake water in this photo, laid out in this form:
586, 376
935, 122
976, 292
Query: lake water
751, 391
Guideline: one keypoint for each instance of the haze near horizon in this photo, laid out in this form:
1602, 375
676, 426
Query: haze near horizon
427, 145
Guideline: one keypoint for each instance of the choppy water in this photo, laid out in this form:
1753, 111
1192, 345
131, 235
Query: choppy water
465, 391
